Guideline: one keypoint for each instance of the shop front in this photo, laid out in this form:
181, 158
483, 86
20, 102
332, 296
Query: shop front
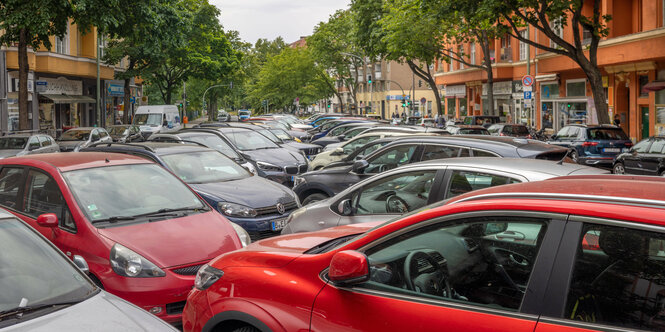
61, 104
503, 101
12, 99
560, 108
455, 96
113, 101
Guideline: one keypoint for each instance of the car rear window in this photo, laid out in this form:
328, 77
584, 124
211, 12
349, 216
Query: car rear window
607, 134
518, 130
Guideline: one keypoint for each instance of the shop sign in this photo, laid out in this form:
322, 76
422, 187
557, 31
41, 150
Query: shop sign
61, 85
518, 88
455, 90
397, 97
41, 86
500, 88
115, 89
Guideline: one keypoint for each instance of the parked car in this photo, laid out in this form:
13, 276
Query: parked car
483, 262
343, 133
410, 187
467, 130
647, 157
593, 144
142, 231
481, 120
223, 116
21, 145
324, 129
153, 119
125, 133
272, 161
63, 298
364, 151
244, 115
81, 137
509, 129
309, 150
427, 122
318, 185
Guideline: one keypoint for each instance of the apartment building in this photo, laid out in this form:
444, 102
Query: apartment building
631, 57
62, 85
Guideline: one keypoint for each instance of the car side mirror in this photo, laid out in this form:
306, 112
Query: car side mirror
81, 263
553, 137
338, 151
348, 267
360, 166
344, 207
48, 220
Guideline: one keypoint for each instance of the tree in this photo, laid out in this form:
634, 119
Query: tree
549, 17
30, 24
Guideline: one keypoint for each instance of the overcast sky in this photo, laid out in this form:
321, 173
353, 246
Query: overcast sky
269, 19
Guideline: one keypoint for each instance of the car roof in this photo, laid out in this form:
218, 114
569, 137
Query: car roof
84, 128
4, 214
593, 126
22, 135
68, 161
484, 139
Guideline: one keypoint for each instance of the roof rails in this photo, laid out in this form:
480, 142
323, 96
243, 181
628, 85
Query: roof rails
567, 197
122, 144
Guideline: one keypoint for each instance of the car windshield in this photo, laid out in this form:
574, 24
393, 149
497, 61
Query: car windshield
244, 113
33, 273
204, 167
75, 135
117, 130
473, 132
354, 132
13, 143
128, 190
281, 134
270, 135
329, 125
607, 133
214, 142
277, 124
249, 140
144, 119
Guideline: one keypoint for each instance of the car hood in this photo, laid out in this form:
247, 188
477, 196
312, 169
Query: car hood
9, 153
173, 242
326, 140
69, 144
302, 146
331, 170
253, 191
280, 250
102, 312
301, 126
278, 156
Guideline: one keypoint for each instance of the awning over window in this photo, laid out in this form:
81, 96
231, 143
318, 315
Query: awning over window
68, 99
653, 86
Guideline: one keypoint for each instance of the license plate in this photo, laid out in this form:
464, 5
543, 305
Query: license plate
278, 224
615, 150
293, 178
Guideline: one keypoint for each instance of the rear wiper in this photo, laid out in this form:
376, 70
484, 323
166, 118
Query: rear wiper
19, 311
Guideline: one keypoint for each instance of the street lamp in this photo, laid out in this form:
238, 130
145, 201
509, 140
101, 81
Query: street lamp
203, 100
364, 60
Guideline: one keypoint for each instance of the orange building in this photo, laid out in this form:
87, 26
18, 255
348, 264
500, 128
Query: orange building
631, 58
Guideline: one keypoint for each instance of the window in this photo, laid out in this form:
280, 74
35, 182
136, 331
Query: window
356, 143
658, 146
395, 194
450, 66
586, 36
523, 45
460, 50
102, 46
44, 196
391, 158
472, 53
642, 146
462, 182
456, 261
33, 143
103, 134
618, 278
62, 43
440, 152
576, 88
642, 81
557, 28
45, 141
11, 181
95, 136
481, 153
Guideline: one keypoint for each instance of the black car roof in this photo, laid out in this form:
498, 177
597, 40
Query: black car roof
486, 142
153, 148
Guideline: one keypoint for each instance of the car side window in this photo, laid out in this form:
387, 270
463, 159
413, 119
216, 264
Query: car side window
658, 146
440, 152
395, 194
103, 134
94, 136
11, 181
44, 141
563, 133
481, 153
44, 196
494, 129
33, 143
391, 158
459, 261
618, 278
465, 181
352, 146
371, 149
642, 146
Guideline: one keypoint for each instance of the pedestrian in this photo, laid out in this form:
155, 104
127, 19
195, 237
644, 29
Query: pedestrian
617, 120
439, 120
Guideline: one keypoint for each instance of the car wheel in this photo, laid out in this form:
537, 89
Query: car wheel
314, 198
662, 173
618, 168
246, 329
574, 156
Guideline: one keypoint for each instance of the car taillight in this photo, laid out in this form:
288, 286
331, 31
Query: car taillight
529, 136
502, 134
629, 145
589, 143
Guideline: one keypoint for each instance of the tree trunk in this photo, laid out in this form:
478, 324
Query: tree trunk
127, 106
599, 97
427, 76
23, 69
485, 44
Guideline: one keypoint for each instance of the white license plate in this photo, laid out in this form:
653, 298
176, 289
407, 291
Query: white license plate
615, 150
278, 224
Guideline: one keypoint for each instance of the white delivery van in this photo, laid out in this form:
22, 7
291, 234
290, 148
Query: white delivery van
157, 119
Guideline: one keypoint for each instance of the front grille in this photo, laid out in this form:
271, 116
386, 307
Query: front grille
175, 308
255, 236
312, 151
292, 170
302, 168
288, 207
187, 271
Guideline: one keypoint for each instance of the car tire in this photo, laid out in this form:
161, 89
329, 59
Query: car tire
247, 328
662, 173
618, 168
573, 155
314, 198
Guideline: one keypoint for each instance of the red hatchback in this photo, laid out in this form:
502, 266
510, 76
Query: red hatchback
511, 258
143, 232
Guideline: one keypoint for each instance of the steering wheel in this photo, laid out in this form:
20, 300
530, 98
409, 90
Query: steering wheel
433, 281
395, 204
500, 258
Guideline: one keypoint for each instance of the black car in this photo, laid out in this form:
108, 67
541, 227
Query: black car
258, 205
509, 129
647, 157
321, 184
363, 151
125, 133
309, 150
467, 130
591, 144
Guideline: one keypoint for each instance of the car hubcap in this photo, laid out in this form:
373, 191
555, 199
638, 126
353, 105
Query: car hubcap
618, 169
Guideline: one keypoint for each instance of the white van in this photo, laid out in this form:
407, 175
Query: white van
157, 119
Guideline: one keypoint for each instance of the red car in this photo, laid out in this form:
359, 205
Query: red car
509, 258
143, 232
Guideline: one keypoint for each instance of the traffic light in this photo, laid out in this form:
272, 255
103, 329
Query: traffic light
569, 105
369, 79
420, 83
403, 102
328, 103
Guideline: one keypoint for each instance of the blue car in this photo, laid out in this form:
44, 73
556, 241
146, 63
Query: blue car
244, 115
593, 144
323, 120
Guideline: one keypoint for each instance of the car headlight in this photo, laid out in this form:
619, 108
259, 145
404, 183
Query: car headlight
268, 167
298, 180
236, 210
248, 166
127, 263
242, 234
207, 276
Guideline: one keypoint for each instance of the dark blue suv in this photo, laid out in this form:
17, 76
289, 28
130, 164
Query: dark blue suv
593, 144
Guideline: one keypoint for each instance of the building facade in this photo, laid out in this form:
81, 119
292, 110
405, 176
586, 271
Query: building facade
631, 58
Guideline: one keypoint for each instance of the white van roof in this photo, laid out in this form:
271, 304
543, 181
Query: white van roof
157, 109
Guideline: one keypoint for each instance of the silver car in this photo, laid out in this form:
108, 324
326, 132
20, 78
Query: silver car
78, 138
410, 187
42, 290
21, 145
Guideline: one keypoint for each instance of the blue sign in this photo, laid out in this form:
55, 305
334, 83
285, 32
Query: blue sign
116, 90
527, 94
397, 97
132, 99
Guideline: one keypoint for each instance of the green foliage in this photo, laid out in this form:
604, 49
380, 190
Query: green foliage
369, 31
41, 19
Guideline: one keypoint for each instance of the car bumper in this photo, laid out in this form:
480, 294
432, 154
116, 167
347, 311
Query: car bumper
597, 160
262, 227
197, 311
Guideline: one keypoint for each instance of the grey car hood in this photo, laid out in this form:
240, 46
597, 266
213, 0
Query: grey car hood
277, 156
9, 153
102, 312
254, 191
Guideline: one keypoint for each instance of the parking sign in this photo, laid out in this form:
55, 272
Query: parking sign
527, 94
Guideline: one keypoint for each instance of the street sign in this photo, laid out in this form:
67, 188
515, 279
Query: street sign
527, 88
132, 99
527, 80
41, 86
527, 94
423, 100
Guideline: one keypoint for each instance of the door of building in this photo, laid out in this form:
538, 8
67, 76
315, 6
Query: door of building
645, 121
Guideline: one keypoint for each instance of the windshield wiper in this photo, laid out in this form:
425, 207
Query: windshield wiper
170, 212
114, 219
19, 311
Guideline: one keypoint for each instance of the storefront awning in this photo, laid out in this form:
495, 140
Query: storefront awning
653, 86
67, 99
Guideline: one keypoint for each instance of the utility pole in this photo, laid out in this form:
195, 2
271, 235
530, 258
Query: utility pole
528, 72
184, 100
99, 101
4, 112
